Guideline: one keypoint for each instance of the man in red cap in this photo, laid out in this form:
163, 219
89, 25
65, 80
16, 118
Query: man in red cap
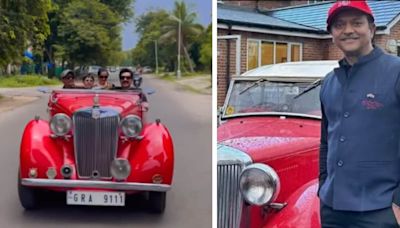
360, 131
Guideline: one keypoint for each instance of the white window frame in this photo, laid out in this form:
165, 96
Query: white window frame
289, 50
238, 39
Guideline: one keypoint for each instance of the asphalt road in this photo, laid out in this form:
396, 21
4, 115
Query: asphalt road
188, 117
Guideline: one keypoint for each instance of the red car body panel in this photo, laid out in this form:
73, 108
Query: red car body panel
302, 212
150, 155
123, 102
290, 146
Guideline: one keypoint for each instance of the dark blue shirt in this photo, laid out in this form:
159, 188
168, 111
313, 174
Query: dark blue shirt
360, 133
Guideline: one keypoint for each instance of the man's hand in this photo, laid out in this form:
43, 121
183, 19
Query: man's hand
396, 211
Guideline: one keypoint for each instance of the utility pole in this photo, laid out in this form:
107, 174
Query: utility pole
178, 75
155, 50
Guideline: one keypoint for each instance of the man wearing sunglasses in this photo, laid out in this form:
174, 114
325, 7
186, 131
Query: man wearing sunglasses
126, 78
68, 79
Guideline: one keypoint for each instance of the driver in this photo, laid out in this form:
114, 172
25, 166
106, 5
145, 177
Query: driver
126, 78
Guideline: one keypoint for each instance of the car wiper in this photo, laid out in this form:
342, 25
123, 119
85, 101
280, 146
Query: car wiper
309, 88
256, 83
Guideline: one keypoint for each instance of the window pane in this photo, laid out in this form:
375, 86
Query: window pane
281, 53
252, 55
295, 53
267, 53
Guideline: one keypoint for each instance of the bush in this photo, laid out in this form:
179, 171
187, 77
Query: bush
27, 81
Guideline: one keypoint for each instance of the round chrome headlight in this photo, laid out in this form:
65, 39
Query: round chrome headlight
120, 169
60, 124
131, 126
259, 184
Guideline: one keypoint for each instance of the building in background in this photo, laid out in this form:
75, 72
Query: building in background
256, 33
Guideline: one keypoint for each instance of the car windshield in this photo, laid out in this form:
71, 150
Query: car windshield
265, 96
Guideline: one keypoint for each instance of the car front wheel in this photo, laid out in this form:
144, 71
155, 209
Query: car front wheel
157, 202
27, 196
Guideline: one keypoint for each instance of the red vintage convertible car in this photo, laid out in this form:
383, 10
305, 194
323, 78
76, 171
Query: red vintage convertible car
268, 141
98, 148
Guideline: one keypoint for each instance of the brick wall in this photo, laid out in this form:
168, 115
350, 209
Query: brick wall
381, 40
313, 49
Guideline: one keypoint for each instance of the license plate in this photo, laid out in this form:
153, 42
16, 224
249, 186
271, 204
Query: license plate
96, 198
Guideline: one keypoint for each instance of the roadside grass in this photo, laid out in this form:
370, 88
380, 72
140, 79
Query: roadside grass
26, 81
171, 76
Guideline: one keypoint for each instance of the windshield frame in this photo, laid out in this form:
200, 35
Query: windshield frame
296, 79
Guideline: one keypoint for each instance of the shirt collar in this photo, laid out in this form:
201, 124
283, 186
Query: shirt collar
375, 53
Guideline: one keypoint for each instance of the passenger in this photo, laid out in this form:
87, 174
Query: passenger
139, 69
67, 78
88, 81
102, 75
126, 78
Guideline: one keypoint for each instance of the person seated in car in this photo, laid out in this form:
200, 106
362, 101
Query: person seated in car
88, 81
126, 78
68, 79
102, 75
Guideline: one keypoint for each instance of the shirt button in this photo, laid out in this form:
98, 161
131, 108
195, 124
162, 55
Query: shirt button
346, 114
340, 163
342, 139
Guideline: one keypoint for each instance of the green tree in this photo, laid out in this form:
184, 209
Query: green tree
122, 8
90, 33
104, 24
22, 24
206, 49
149, 26
189, 29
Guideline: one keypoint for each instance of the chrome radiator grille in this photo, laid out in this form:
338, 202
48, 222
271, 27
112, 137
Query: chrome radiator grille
95, 140
229, 197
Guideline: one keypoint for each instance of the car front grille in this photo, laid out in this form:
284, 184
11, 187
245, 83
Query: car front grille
229, 197
95, 141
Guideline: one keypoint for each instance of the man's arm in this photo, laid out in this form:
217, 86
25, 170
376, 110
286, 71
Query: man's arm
323, 149
396, 193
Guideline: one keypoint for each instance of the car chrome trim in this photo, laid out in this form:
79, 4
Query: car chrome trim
231, 162
92, 154
291, 114
274, 181
95, 184
230, 155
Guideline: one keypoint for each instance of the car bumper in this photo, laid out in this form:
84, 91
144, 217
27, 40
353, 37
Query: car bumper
127, 186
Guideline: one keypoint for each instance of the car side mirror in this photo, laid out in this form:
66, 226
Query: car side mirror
149, 91
43, 89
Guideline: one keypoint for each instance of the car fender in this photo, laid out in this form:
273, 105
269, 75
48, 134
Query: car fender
152, 156
38, 150
302, 209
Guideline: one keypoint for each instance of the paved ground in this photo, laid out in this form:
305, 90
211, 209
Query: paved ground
188, 117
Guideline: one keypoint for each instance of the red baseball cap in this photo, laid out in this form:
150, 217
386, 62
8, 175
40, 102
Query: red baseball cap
348, 4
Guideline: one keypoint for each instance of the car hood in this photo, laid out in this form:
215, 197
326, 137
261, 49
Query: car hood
70, 103
265, 138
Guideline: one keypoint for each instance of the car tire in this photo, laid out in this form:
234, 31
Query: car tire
157, 202
28, 197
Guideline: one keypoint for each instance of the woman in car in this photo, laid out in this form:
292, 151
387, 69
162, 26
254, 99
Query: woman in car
102, 75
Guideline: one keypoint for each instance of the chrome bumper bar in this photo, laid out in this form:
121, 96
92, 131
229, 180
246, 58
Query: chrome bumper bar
95, 184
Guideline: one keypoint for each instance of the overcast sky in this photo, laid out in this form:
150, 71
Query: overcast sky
201, 7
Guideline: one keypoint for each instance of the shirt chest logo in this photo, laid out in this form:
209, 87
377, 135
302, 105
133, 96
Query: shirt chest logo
370, 102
